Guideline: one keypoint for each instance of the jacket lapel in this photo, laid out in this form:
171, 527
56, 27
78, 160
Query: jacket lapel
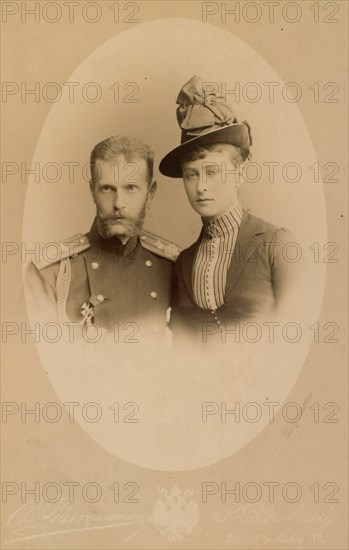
247, 245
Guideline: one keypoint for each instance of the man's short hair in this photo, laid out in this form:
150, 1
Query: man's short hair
200, 152
131, 148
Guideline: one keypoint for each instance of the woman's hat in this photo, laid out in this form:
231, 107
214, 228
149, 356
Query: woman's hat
204, 119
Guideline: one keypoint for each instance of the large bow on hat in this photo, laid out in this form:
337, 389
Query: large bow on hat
199, 108
204, 119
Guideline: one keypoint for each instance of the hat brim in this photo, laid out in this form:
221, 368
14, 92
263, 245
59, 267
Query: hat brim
235, 134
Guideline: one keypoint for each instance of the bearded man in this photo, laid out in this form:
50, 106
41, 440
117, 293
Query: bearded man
116, 273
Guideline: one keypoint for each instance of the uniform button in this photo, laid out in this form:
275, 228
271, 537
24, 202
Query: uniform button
148, 263
154, 295
100, 297
95, 265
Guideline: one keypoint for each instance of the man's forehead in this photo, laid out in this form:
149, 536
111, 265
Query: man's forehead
120, 160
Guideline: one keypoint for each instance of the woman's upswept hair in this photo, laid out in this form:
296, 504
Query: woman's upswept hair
200, 152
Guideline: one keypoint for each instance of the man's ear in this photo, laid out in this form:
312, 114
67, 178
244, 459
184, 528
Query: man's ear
152, 190
92, 191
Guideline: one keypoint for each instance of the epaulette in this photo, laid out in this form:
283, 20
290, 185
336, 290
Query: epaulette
159, 245
62, 249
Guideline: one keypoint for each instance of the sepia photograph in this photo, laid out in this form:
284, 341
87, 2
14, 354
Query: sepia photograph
174, 297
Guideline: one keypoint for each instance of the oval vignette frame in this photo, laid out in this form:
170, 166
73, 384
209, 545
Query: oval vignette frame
169, 391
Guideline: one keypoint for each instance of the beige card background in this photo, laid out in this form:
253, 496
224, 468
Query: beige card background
300, 42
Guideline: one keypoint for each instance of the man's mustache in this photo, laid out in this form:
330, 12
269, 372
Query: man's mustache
114, 217
107, 223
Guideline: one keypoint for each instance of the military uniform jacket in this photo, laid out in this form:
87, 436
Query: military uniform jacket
258, 277
105, 282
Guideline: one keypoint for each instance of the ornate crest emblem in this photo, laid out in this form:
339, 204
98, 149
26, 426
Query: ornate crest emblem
175, 514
